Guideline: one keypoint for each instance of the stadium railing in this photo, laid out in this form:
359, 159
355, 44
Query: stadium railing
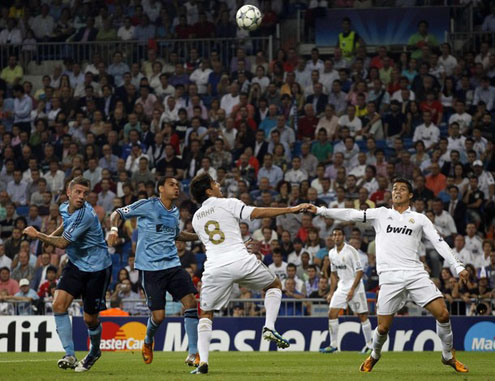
133, 51
463, 42
253, 307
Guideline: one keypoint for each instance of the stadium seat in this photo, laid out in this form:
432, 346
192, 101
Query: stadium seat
296, 151
22, 210
200, 260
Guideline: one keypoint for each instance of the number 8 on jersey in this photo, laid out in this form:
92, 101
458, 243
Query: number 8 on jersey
215, 232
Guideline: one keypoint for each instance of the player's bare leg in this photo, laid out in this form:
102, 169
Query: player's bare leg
273, 298
61, 302
154, 321
191, 325
205, 327
333, 331
367, 332
94, 333
379, 337
439, 310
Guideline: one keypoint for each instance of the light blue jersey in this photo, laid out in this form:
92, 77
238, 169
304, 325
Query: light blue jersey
158, 228
87, 250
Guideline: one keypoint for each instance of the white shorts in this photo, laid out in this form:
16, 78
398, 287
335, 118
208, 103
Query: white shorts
358, 303
395, 286
217, 282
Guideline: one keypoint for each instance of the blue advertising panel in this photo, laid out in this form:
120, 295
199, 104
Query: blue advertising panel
385, 26
305, 334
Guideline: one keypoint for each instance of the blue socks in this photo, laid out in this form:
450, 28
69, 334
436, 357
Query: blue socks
150, 330
191, 325
64, 331
95, 338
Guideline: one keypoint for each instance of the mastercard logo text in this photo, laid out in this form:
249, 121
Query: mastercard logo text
128, 337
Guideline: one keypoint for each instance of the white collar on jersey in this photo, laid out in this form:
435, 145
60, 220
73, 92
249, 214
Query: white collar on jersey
408, 210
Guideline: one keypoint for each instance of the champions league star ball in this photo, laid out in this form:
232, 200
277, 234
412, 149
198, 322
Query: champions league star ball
248, 17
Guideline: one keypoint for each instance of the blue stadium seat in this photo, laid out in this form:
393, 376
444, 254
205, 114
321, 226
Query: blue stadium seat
22, 210
185, 185
200, 260
381, 144
362, 145
408, 143
296, 151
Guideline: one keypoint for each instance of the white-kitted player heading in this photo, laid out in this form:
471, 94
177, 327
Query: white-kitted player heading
228, 261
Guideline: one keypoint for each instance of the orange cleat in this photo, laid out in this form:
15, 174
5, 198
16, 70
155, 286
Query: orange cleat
147, 353
454, 363
368, 364
192, 359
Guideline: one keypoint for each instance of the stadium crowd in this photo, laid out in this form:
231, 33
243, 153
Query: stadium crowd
331, 130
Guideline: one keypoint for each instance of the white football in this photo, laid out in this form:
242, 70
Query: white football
248, 17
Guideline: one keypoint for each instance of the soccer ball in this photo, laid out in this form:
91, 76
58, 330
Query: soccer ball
248, 17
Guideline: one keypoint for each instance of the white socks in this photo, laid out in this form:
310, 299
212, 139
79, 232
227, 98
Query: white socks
204, 338
444, 332
366, 326
378, 341
333, 329
273, 298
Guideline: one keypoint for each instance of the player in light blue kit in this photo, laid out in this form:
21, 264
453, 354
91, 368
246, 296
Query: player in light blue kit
159, 264
87, 273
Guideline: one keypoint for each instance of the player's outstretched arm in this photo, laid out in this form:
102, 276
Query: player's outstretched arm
186, 236
57, 241
443, 248
343, 214
274, 212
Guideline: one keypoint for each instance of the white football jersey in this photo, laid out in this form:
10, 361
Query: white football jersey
217, 225
398, 237
345, 263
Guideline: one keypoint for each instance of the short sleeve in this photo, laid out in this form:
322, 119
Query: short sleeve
79, 225
137, 209
239, 210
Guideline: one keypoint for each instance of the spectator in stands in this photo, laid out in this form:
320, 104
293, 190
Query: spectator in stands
489, 21
422, 40
473, 198
116, 308
11, 35
24, 270
348, 40
485, 93
27, 295
44, 289
7, 283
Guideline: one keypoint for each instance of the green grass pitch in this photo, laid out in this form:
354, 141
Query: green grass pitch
301, 366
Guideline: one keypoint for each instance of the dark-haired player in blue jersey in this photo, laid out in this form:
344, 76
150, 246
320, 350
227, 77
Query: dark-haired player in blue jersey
86, 274
159, 264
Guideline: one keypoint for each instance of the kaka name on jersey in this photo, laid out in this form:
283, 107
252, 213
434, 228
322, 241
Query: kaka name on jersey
400, 230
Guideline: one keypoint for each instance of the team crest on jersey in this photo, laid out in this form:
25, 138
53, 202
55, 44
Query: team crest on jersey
411, 220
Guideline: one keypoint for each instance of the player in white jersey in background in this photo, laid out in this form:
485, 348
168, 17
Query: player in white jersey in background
398, 233
216, 223
345, 264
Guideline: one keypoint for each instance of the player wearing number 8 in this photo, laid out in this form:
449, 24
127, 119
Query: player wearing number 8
158, 263
217, 224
